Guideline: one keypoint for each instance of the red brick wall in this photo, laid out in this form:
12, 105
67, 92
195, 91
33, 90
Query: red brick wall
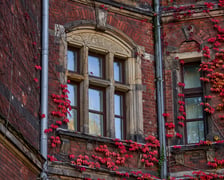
19, 53
141, 32
175, 41
12, 167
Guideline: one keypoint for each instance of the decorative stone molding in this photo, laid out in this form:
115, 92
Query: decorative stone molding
98, 41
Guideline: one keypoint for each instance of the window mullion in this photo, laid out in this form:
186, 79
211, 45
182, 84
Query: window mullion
110, 96
85, 87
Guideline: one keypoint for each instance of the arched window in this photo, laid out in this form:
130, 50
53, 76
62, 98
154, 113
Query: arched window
104, 79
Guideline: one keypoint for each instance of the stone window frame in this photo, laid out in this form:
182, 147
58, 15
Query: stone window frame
112, 45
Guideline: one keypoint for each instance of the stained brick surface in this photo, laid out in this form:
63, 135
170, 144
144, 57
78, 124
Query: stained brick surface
19, 53
13, 168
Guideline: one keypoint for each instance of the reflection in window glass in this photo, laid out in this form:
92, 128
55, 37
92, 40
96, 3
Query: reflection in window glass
95, 124
118, 128
95, 100
193, 108
72, 125
192, 76
118, 109
118, 71
118, 103
195, 131
95, 66
72, 95
72, 60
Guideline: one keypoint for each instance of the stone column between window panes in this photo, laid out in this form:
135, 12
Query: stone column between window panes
110, 129
138, 93
85, 111
131, 120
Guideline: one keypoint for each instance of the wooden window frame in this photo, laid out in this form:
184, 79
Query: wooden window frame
77, 50
104, 107
78, 104
103, 64
123, 80
191, 93
123, 118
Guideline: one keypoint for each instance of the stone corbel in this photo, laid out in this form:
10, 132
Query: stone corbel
101, 19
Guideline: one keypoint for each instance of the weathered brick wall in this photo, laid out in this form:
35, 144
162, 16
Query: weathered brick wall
12, 167
19, 53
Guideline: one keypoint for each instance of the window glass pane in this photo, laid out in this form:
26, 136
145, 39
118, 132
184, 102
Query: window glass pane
195, 131
95, 66
72, 60
192, 76
95, 124
72, 95
118, 71
96, 100
118, 128
193, 108
118, 103
72, 120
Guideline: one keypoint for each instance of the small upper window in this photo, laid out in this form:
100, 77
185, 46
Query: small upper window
72, 59
119, 71
95, 65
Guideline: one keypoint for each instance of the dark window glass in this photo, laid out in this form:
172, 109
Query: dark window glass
195, 131
193, 108
192, 76
193, 97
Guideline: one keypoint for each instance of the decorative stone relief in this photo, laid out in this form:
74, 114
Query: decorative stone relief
210, 154
179, 158
101, 18
59, 31
98, 41
188, 31
65, 146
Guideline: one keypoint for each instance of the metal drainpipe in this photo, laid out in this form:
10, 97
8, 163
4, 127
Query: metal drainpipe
160, 95
44, 85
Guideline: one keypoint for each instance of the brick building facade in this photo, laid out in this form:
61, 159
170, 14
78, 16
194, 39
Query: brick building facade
104, 115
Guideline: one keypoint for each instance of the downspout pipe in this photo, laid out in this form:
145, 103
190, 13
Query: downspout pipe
44, 85
160, 93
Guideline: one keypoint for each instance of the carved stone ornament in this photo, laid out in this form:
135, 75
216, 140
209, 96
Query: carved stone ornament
188, 31
97, 40
179, 158
59, 31
101, 18
210, 154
